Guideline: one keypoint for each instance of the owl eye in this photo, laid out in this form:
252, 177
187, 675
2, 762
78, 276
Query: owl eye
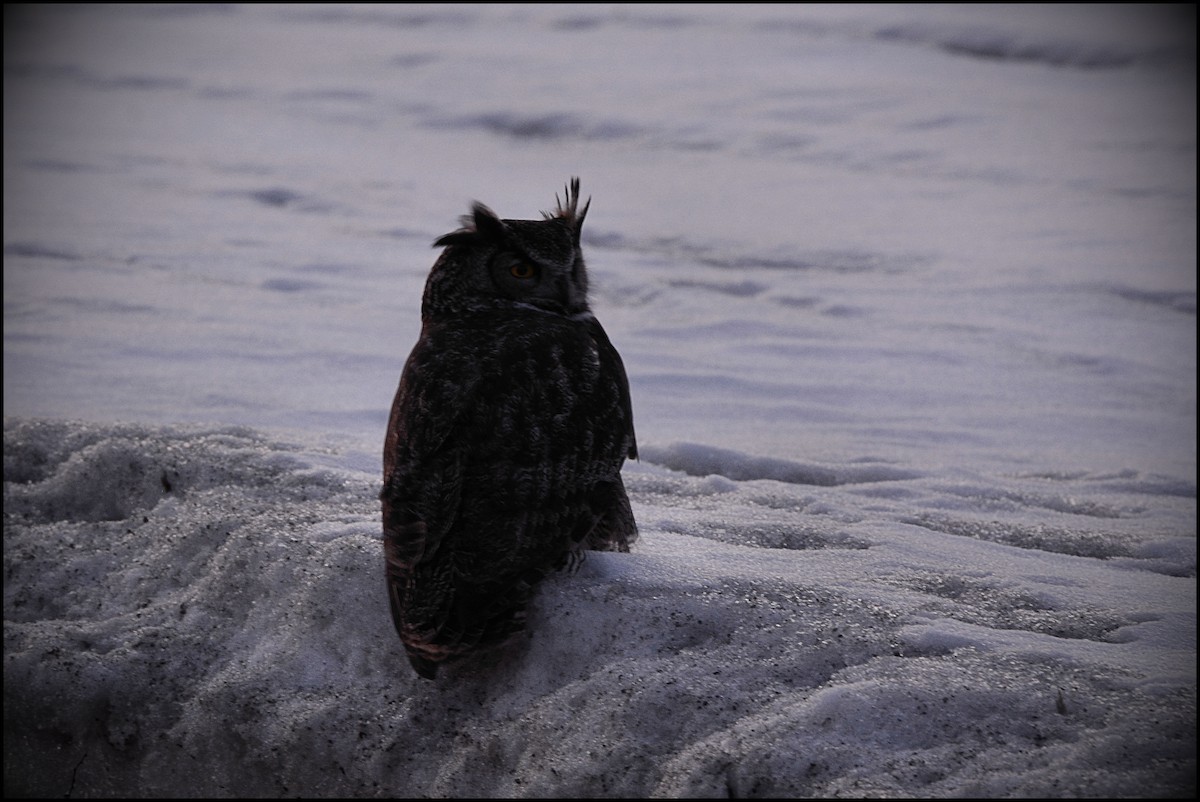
522, 270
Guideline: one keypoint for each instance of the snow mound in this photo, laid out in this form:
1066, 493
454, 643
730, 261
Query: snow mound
200, 611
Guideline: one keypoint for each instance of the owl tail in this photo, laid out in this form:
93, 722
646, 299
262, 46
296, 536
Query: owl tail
614, 528
426, 669
465, 620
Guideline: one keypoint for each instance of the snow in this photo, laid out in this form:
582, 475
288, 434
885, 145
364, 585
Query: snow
907, 299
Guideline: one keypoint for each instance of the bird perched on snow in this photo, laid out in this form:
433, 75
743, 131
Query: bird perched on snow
506, 438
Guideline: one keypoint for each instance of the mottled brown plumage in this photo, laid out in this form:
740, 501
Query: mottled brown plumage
506, 437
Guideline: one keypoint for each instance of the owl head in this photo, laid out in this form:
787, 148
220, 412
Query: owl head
492, 263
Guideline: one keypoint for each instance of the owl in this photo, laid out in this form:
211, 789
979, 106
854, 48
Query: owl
502, 461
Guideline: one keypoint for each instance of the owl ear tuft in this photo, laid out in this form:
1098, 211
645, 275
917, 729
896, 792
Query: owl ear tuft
481, 224
486, 222
568, 209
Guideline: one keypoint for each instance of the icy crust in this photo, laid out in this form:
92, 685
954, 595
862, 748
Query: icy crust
702, 460
200, 612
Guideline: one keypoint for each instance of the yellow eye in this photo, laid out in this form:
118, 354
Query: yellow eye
522, 270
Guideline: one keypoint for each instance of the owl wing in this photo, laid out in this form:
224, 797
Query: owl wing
422, 475
611, 365
613, 527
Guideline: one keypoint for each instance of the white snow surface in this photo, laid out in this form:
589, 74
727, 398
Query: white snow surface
907, 298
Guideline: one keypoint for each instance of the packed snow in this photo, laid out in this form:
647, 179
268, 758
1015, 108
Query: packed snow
907, 299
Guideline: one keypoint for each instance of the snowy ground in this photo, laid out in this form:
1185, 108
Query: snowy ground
907, 299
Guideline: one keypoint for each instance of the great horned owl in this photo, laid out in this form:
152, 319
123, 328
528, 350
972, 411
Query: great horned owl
506, 438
